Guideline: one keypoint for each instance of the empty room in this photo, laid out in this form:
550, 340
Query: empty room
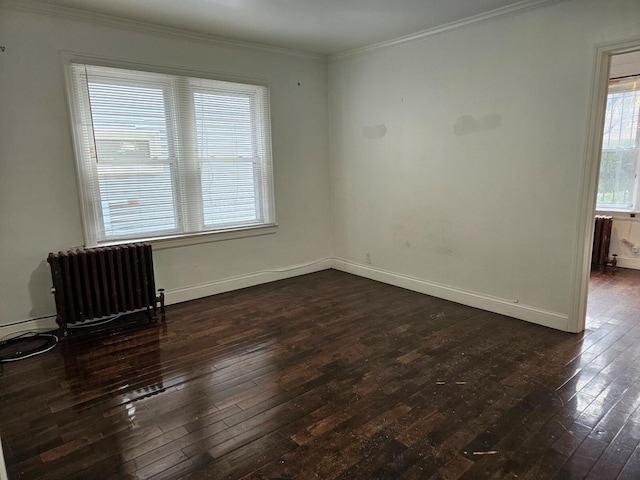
303, 239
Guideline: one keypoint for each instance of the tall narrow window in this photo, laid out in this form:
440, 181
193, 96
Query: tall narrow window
620, 147
164, 155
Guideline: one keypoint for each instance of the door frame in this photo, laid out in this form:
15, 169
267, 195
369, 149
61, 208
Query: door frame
590, 174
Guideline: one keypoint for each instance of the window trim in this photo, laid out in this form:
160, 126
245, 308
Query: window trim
162, 243
635, 195
171, 240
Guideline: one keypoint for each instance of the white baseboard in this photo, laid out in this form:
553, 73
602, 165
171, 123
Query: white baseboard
187, 293
473, 299
192, 292
633, 263
46, 324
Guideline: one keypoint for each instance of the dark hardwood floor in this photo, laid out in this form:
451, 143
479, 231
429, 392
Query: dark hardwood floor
334, 376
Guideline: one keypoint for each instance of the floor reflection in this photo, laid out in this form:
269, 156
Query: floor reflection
603, 389
121, 360
111, 369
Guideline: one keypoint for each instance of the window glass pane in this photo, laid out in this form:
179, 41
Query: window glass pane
617, 178
617, 182
136, 199
229, 193
129, 122
130, 132
621, 120
223, 125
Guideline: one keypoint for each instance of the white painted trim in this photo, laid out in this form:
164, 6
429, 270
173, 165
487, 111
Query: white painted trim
472, 299
449, 27
502, 306
145, 27
207, 237
68, 57
192, 292
45, 324
589, 184
194, 238
137, 26
242, 281
3, 468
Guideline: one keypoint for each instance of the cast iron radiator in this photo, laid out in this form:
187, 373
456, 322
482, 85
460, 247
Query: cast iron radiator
91, 283
601, 240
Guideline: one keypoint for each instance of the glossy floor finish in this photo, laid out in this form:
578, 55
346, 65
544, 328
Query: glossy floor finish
334, 376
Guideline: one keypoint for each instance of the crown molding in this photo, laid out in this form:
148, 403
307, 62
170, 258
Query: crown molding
49, 10
449, 27
46, 9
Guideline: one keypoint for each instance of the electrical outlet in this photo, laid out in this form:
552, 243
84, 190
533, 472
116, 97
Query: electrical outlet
367, 258
635, 249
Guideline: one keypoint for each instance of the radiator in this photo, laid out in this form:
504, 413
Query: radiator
601, 240
97, 282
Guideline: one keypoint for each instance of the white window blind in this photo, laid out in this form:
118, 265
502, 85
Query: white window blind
617, 186
164, 155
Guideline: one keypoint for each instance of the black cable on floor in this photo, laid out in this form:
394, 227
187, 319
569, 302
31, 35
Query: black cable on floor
26, 345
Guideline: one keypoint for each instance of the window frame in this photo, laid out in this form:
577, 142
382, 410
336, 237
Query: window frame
635, 194
264, 185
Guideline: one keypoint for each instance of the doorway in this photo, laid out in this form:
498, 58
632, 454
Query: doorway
610, 183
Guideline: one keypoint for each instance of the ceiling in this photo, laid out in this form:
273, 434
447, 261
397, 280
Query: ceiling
318, 26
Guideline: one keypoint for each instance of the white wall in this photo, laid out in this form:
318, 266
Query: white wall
39, 210
625, 229
472, 193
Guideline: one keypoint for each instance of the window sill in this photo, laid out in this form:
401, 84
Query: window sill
204, 237
625, 214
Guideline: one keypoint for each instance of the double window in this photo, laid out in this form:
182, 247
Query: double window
163, 156
618, 184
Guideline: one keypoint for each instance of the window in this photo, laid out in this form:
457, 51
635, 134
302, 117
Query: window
617, 188
161, 156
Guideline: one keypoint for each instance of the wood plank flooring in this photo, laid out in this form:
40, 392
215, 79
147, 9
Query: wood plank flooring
333, 376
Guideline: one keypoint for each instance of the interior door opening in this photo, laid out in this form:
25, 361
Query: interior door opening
615, 260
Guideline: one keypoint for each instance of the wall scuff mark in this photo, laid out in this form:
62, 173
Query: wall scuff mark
466, 124
374, 131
